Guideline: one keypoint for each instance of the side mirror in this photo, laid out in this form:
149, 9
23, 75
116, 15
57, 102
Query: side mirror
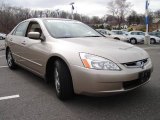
34, 35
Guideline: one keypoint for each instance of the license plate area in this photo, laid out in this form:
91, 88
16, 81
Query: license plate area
143, 77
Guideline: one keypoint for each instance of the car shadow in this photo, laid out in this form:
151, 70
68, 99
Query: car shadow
131, 98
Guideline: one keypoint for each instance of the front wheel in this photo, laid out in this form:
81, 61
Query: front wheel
62, 80
10, 60
133, 41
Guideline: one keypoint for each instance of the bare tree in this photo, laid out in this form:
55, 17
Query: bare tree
119, 9
10, 16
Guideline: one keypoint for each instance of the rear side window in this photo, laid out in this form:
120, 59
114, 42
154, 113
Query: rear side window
141, 33
21, 29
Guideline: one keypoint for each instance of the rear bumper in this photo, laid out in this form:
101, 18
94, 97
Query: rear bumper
98, 82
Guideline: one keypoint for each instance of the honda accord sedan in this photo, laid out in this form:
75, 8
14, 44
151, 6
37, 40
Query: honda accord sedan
75, 58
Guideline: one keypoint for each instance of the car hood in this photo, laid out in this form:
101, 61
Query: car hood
117, 51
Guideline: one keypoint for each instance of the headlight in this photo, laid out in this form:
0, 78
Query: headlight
98, 63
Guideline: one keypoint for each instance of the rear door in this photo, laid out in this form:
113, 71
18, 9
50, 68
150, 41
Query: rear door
16, 41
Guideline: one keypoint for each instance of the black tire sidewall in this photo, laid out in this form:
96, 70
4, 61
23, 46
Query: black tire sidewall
116, 38
133, 39
153, 41
13, 65
66, 85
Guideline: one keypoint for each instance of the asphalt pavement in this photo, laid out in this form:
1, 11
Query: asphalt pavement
2, 44
33, 99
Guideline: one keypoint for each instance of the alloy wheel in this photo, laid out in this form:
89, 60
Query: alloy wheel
9, 59
57, 81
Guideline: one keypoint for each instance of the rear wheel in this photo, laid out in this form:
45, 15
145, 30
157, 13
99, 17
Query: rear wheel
10, 60
152, 41
62, 80
133, 41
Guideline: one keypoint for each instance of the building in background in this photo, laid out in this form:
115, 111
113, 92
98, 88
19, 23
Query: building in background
155, 26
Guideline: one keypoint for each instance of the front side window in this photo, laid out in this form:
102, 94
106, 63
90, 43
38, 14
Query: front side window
120, 32
116, 32
69, 29
103, 32
21, 29
140, 33
34, 27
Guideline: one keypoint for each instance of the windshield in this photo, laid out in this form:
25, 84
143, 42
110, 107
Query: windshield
69, 29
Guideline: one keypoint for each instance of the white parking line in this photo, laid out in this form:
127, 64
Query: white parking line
3, 66
9, 97
2, 56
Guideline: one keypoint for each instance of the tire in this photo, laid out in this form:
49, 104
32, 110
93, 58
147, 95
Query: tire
62, 80
133, 41
10, 61
116, 38
152, 41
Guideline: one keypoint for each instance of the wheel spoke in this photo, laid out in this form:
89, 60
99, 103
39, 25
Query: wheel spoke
57, 82
9, 59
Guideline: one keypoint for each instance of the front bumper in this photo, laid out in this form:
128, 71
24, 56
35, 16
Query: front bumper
100, 82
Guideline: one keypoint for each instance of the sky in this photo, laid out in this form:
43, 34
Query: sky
86, 7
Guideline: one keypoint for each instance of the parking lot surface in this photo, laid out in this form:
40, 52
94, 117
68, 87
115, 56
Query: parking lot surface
28, 97
2, 44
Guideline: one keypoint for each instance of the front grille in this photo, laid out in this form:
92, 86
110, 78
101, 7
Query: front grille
134, 64
143, 77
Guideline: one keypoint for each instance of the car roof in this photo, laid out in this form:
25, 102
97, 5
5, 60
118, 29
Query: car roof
136, 31
41, 19
103, 29
116, 30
